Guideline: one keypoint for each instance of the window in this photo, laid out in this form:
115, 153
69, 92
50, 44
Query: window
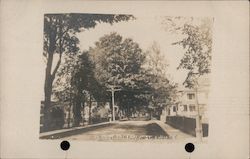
184, 108
174, 109
190, 96
191, 108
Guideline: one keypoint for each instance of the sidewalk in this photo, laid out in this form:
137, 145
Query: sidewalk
56, 134
174, 133
179, 136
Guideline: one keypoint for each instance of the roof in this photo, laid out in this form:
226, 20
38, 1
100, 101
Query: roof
203, 81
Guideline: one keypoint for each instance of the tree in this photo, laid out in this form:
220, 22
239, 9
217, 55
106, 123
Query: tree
163, 90
67, 87
119, 62
197, 43
85, 81
76, 83
59, 38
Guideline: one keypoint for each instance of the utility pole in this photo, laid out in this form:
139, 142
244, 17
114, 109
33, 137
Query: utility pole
198, 130
90, 109
113, 90
70, 106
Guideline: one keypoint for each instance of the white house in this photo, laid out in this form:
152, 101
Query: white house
190, 100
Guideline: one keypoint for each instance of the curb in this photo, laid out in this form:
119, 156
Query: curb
73, 131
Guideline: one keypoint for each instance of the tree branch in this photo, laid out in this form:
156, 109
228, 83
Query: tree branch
57, 66
61, 41
60, 58
62, 34
190, 74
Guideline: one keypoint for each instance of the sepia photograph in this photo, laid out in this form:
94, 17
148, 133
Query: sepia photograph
120, 77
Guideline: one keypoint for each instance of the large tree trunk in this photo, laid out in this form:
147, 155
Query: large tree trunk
47, 91
49, 78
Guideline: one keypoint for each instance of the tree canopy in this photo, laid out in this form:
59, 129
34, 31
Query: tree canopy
119, 62
162, 88
197, 43
140, 75
60, 29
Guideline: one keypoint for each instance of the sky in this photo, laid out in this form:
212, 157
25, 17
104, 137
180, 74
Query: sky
144, 31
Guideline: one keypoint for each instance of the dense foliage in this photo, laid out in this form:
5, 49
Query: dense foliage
60, 38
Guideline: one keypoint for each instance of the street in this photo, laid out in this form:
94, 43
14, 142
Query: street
124, 131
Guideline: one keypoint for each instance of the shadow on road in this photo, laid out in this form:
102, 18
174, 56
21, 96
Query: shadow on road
154, 129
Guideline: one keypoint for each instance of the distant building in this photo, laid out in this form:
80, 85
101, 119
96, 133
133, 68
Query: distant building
98, 110
189, 101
